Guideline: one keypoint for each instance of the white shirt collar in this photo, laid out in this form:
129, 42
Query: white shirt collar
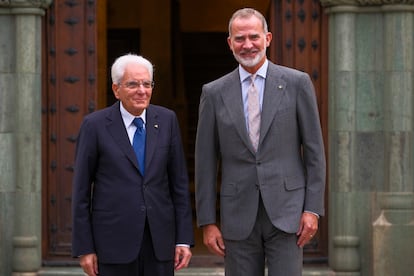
261, 72
128, 117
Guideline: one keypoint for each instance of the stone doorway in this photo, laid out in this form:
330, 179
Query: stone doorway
81, 41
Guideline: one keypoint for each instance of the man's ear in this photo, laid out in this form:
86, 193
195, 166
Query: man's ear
269, 37
115, 89
229, 43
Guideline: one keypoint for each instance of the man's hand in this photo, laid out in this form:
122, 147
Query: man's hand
89, 263
182, 257
213, 240
307, 228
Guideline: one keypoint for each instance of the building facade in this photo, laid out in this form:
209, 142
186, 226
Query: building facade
54, 62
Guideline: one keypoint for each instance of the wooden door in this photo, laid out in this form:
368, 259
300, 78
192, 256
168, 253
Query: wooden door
71, 58
300, 40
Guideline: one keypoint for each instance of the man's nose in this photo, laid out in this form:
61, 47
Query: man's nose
248, 44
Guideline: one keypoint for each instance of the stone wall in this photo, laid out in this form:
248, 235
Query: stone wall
371, 153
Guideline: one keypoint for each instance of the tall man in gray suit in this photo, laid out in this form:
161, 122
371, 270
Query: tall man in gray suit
265, 134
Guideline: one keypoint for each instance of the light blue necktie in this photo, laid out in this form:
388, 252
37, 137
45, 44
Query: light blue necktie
139, 143
253, 108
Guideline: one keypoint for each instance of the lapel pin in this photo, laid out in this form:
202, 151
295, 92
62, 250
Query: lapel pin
155, 126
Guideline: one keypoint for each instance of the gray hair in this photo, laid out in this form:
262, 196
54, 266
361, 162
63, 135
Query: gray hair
118, 67
247, 13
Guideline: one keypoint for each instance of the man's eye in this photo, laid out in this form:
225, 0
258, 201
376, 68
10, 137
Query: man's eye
132, 84
147, 84
136, 84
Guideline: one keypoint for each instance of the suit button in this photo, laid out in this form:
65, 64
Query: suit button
143, 208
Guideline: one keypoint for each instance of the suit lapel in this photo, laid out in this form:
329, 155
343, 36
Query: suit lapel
152, 126
116, 128
232, 99
275, 89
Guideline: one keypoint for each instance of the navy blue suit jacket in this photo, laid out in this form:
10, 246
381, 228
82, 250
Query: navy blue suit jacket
112, 200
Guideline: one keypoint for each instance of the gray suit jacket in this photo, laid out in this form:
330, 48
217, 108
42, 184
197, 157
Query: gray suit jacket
288, 170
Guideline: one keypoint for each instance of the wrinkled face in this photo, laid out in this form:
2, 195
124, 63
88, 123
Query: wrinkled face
135, 89
248, 42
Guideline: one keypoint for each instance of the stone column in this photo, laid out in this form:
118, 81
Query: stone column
20, 133
344, 247
371, 153
393, 230
7, 140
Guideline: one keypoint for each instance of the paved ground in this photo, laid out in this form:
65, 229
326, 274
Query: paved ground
200, 265
192, 271
185, 272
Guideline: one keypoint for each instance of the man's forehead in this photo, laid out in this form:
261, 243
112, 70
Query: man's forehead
247, 33
247, 20
244, 24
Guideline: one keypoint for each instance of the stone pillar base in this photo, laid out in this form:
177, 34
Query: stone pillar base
393, 237
345, 258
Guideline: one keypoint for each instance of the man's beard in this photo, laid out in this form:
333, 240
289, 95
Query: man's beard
250, 62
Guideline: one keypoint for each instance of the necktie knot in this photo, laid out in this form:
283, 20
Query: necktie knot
139, 123
252, 78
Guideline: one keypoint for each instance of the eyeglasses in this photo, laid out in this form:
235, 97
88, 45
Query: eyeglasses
135, 84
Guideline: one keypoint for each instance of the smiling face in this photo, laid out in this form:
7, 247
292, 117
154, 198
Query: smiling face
134, 89
248, 42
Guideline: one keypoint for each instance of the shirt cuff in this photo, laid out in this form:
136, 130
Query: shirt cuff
182, 244
317, 215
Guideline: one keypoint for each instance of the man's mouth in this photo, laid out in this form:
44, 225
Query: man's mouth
249, 54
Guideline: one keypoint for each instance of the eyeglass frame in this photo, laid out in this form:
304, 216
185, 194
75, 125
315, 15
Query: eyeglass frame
135, 84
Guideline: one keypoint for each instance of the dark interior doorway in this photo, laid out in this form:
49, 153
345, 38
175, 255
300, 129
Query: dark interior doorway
119, 42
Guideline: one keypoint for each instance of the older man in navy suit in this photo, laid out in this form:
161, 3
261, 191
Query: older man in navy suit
131, 204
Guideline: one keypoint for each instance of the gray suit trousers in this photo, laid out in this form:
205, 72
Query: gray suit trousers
265, 246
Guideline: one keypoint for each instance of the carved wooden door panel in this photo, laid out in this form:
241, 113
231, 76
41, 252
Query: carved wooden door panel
70, 90
300, 40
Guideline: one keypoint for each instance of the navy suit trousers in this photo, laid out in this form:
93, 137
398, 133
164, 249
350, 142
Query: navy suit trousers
146, 264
